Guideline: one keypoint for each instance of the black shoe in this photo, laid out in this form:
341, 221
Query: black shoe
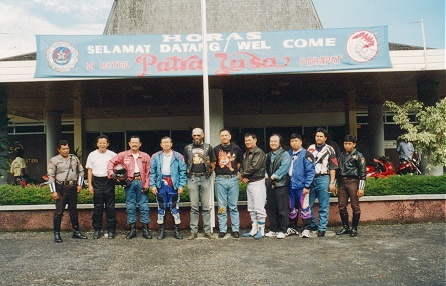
162, 233
313, 228
176, 232
235, 234
77, 234
320, 233
221, 234
145, 232
97, 234
57, 237
132, 233
344, 230
111, 234
354, 232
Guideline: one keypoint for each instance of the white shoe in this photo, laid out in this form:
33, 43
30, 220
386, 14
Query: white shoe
306, 233
291, 231
280, 235
271, 234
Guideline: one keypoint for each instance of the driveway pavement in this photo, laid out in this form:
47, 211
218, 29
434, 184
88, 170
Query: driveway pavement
406, 254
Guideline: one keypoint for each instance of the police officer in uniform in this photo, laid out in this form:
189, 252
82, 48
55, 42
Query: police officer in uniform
66, 176
351, 183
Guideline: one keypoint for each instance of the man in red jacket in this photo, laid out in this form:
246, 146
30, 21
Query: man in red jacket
137, 164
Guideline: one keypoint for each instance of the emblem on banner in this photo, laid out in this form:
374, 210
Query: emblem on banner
62, 56
362, 46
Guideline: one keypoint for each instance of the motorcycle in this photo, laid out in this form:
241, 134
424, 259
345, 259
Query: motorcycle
381, 167
410, 166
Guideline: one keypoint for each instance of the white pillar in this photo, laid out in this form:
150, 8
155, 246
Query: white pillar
53, 132
216, 115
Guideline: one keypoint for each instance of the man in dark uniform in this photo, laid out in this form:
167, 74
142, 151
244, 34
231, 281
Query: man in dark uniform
66, 176
351, 183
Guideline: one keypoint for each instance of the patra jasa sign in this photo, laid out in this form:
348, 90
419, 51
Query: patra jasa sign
228, 53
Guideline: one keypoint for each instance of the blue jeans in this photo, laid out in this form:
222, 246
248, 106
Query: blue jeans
320, 191
167, 197
133, 196
227, 191
199, 190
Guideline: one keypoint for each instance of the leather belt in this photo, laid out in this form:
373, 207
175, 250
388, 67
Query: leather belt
198, 174
67, 183
320, 175
227, 176
137, 176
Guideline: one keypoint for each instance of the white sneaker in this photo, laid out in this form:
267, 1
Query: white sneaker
280, 235
306, 233
291, 231
271, 234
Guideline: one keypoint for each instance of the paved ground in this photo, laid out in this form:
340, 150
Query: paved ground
409, 254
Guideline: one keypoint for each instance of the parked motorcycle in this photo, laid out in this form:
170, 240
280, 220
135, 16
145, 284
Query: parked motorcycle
381, 167
410, 166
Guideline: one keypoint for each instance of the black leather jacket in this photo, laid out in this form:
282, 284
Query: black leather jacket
352, 165
253, 165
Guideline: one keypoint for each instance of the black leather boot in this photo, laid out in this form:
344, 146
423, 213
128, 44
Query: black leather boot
176, 232
76, 232
162, 233
145, 231
57, 237
132, 233
345, 228
355, 223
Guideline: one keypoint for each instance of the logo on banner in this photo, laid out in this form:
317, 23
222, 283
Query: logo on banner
362, 46
62, 56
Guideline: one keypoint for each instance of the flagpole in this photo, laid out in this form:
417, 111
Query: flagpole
206, 114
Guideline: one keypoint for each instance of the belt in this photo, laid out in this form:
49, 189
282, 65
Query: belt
227, 176
136, 176
320, 175
67, 183
198, 174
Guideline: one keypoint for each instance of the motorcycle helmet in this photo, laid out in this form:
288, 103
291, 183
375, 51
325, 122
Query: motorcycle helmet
121, 173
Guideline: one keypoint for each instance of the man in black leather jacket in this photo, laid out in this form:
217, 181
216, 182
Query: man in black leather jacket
351, 181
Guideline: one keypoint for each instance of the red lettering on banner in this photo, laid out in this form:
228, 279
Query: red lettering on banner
244, 60
169, 64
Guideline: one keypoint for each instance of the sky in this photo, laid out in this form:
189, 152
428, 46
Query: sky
21, 20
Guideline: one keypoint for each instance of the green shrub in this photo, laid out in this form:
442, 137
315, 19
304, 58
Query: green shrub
393, 185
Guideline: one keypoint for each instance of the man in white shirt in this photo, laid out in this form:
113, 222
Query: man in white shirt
102, 188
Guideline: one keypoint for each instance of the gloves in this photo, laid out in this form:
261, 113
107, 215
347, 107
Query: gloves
113, 176
145, 190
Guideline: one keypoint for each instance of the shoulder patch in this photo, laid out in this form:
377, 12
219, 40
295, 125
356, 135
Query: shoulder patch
310, 158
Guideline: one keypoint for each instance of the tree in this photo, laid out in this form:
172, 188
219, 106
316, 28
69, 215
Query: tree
429, 135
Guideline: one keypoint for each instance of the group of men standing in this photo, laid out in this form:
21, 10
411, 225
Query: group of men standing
289, 181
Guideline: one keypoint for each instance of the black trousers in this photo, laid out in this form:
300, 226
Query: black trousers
104, 199
277, 208
67, 195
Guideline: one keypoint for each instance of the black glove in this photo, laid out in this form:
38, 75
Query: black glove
113, 176
145, 190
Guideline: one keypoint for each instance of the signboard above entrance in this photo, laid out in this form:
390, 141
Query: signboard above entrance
228, 53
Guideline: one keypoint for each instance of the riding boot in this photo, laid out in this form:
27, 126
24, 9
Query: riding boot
57, 222
355, 223
345, 228
162, 233
145, 231
132, 233
76, 232
176, 232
